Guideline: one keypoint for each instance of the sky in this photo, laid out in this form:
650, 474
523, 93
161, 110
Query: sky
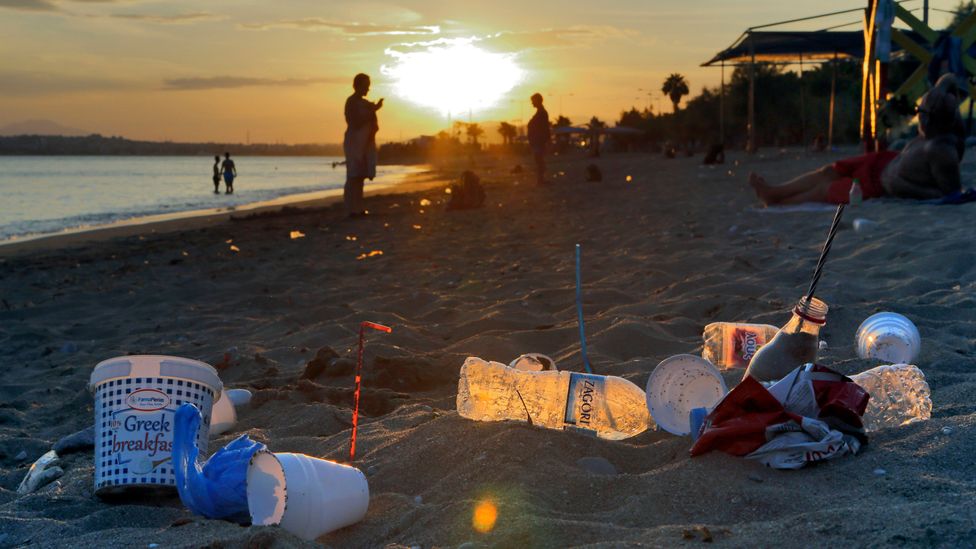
233, 71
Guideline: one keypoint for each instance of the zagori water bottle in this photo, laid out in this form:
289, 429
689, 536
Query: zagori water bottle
795, 344
733, 344
609, 407
856, 195
899, 396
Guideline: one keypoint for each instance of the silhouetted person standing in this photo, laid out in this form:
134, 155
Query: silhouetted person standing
359, 144
539, 137
216, 174
230, 172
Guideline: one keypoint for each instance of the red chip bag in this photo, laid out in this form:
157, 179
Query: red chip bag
738, 423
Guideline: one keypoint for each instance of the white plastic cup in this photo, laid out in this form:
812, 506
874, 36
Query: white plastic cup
677, 386
888, 337
307, 496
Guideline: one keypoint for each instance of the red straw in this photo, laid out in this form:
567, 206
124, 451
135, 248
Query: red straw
359, 371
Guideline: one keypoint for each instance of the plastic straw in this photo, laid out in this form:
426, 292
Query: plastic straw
359, 377
579, 312
823, 253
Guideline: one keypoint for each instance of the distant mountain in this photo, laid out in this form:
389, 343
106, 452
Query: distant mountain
95, 144
40, 127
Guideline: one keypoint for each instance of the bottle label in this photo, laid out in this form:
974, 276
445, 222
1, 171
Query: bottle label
745, 342
585, 398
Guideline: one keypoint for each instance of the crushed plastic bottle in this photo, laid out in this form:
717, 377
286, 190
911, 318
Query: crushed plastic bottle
732, 345
899, 396
609, 407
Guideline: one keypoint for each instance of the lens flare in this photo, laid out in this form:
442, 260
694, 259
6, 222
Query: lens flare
453, 76
485, 515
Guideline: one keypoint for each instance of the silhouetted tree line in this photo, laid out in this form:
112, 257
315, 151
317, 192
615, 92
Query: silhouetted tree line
449, 145
99, 145
782, 116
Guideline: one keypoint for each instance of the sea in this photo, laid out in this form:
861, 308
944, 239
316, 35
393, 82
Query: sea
42, 195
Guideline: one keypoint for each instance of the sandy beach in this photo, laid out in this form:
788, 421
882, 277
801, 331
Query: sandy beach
668, 247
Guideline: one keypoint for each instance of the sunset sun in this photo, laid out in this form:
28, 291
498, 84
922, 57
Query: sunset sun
452, 75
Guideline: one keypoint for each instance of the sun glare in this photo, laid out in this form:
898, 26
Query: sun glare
485, 515
453, 76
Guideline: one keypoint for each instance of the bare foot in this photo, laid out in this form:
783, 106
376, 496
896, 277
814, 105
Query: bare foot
759, 185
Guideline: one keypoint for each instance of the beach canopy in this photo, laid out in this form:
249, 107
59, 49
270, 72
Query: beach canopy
788, 46
622, 130
616, 130
567, 130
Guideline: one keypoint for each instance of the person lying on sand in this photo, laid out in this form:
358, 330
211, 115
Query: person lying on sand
928, 167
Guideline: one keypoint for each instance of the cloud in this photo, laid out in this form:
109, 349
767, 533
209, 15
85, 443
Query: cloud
228, 82
355, 29
178, 19
28, 5
517, 41
51, 6
24, 83
577, 35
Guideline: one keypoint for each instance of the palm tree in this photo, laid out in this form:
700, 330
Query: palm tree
675, 86
562, 121
508, 132
474, 131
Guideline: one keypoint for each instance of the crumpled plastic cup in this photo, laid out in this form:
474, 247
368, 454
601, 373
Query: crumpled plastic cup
224, 415
889, 337
533, 362
307, 496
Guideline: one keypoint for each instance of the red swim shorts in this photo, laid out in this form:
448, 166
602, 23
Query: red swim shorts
866, 168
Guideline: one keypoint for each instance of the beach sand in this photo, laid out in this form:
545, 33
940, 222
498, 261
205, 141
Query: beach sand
678, 247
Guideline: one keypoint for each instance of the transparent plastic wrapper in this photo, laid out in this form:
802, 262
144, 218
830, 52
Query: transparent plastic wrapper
899, 396
609, 407
733, 344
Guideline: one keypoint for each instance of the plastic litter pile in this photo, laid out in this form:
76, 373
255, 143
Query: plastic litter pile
154, 414
786, 412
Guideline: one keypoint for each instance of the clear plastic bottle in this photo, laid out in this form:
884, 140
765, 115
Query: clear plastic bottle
733, 344
796, 343
609, 407
899, 396
856, 195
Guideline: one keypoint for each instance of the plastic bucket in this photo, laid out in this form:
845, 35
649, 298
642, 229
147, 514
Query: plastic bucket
135, 399
889, 337
307, 496
677, 386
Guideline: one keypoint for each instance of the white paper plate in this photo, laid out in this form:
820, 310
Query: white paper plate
680, 384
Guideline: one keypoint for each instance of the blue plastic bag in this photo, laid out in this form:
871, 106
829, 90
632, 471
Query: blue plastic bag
218, 489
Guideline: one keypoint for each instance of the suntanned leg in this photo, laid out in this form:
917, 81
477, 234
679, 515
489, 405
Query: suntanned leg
779, 194
817, 193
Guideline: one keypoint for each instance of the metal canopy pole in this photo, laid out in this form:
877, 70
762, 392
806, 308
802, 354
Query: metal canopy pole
721, 109
803, 108
751, 129
833, 95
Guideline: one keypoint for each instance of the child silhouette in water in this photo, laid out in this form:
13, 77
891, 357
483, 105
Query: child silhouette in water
216, 175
